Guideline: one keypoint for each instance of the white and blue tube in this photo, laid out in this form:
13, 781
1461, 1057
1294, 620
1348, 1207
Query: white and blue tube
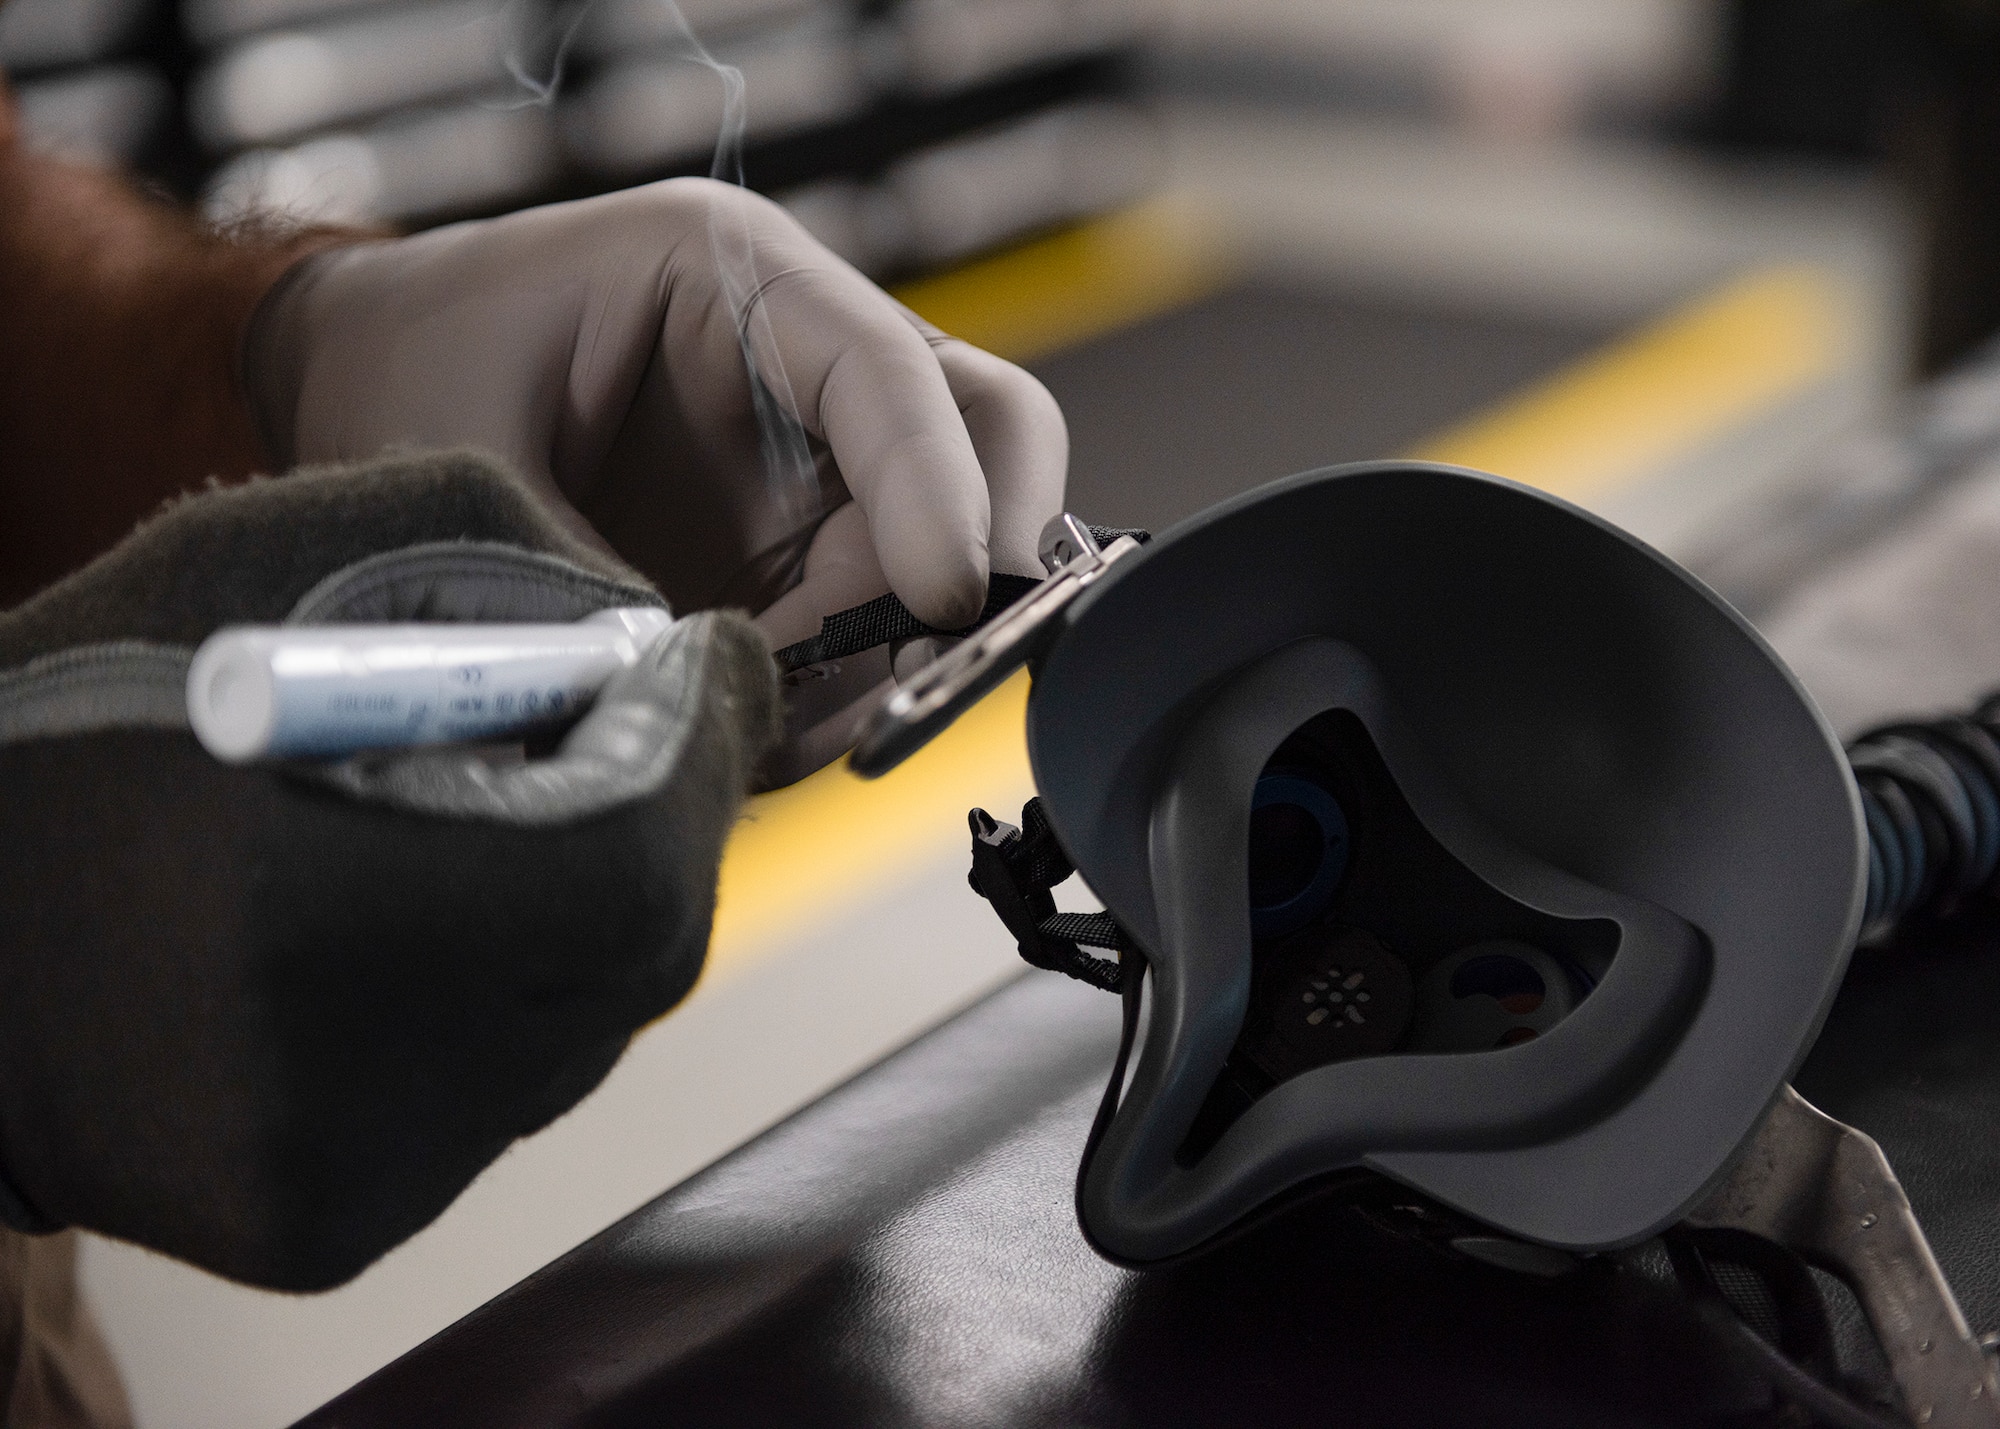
321, 692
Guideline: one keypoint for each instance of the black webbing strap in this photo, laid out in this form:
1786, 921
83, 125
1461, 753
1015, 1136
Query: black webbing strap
885, 618
1092, 930
1013, 869
1036, 859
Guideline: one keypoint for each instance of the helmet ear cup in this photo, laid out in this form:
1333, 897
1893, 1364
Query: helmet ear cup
1146, 1192
1408, 949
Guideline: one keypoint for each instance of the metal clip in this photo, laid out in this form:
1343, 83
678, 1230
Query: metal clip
919, 711
1064, 540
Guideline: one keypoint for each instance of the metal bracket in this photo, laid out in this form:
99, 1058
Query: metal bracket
1826, 1192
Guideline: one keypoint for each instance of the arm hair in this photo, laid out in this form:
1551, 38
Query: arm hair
121, 320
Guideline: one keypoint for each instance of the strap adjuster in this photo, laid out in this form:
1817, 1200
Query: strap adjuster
1013, 869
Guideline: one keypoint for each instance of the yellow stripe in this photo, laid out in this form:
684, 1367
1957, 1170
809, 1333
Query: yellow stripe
803, 853
1063, 290
1664, 391
805, 850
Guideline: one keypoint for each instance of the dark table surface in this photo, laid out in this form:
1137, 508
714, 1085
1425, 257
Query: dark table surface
904, 1252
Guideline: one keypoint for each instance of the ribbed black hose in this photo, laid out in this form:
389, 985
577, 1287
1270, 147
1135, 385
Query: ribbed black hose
1931, 796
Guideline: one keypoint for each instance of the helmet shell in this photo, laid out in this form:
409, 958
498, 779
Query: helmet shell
1573, 699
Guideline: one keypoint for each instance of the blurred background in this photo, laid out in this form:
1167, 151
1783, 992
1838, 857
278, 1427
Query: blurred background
1410, 208
1722, 270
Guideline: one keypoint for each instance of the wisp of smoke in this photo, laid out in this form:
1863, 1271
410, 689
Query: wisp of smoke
537, 92
789, 468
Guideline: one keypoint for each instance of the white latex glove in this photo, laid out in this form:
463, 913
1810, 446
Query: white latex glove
594, 346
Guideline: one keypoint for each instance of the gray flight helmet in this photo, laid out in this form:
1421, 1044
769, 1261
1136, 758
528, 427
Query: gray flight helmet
1577, 720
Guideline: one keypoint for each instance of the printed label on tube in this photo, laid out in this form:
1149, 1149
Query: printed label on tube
327, 691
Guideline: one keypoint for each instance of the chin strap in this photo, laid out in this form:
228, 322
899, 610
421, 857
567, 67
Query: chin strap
1013, 869
886, 618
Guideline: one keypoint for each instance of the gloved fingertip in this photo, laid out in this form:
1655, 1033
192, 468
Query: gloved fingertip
949, 600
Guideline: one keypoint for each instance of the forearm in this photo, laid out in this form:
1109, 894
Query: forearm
120, 321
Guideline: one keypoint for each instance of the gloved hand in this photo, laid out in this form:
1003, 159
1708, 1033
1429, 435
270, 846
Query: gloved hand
597, 347
272, 1020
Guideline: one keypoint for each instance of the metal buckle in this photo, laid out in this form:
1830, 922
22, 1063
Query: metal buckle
916, 713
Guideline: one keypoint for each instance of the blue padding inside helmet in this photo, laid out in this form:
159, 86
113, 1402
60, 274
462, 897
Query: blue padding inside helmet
1298, 852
